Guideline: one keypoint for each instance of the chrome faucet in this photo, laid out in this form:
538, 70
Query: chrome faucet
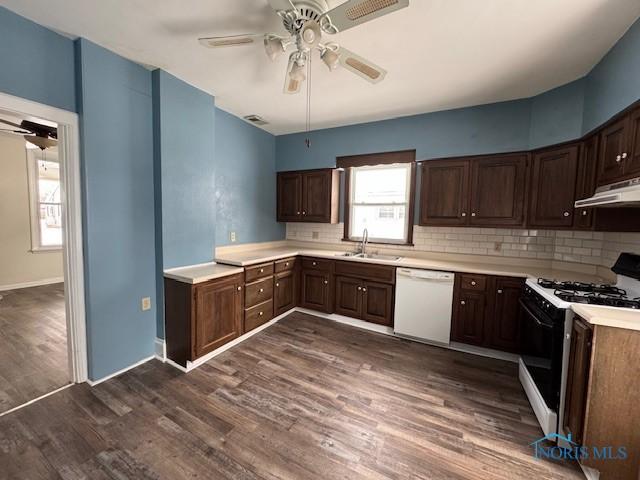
365, 239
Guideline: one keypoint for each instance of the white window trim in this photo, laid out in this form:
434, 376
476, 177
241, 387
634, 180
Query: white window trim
33, 156
352, 204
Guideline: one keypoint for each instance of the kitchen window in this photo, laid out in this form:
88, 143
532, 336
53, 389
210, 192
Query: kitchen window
45, 200
380, 199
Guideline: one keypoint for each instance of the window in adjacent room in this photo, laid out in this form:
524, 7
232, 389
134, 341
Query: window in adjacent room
45, 199
379, 200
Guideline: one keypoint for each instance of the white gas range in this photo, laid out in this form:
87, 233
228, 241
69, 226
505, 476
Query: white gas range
547, 321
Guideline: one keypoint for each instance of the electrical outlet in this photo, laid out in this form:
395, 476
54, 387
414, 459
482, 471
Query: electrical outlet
232, 236
146, 303
315, 235
497, 246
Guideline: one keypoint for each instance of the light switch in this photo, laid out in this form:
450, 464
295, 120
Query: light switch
232, 236
146, 303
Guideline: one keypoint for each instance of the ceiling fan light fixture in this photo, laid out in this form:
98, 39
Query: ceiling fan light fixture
297, 72
330, 58
273, 46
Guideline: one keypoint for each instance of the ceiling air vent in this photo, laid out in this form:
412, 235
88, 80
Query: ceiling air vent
255, 119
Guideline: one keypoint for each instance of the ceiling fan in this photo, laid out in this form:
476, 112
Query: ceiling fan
43, 136
306, 21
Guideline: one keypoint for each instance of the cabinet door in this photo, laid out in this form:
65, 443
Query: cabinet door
377, 303
613, 142
632, 162
444, 192
284, 292
218, 318
586, 183
505, 321
498, 188
553, 187
577, 379
349, 296
289, 197
468, 318
315, 290
316, 196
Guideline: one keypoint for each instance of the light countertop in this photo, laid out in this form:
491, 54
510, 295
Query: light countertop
608, 316
201, 273
252, 257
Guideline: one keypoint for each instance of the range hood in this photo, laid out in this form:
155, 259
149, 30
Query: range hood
615, 195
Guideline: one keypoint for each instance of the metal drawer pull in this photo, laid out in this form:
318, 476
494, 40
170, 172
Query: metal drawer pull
462, 302
619, 158
277, 284
473, 282
473, 214
286, 264
364, 289
464, 214
262, 270
499, 290
260, 314
297, 213
304, 213
314, 264
239, 288
326, 282
566, 214
624, 155
584, 212
359, 288
261, 290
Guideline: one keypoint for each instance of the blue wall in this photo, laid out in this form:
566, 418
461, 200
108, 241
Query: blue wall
36, 63
184, 177
245, 182
614, 83
115, 106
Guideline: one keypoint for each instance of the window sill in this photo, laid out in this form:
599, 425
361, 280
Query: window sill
372, 242
46, 249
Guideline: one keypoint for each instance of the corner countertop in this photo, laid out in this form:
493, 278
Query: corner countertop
252, 257
201, 273
608, 316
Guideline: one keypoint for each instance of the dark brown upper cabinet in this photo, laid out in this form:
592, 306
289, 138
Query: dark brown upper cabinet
480, 191
553, 187
586, 182
620, 149
308, 196
632, 163
444, 192
498, 190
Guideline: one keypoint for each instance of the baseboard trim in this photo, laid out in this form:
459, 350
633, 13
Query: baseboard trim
160, 347
354, 322
36, 283
589, 473
483, 352
93, 383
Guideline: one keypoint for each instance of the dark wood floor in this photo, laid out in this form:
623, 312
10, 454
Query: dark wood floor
305, 399
33, 344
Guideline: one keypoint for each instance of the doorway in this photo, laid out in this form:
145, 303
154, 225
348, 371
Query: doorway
42, 316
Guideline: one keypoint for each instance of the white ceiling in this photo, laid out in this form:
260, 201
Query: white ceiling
440, 54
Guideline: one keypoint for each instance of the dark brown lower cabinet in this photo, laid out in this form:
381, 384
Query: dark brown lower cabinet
316, 285
486, 311
575, 401
348, 296
200, 318
284, 292
377, 303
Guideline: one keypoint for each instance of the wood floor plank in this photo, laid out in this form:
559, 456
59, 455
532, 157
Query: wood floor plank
304, 399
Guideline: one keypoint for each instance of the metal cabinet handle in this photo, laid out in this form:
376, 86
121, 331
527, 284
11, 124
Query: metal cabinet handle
359, 288
261, 290
499, 290
566, 214
297, 213
473, 214
462, 302
473, 282
619, 158
286, 264
624, 155
260, 314
464, 214
364, 289
314, 264
326, 282
277, 284
239, 288
303, 212
262, 270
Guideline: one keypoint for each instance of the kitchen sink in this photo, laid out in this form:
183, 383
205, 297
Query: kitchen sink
372, 256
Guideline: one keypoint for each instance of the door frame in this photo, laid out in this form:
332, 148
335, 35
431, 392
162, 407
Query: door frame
72, 249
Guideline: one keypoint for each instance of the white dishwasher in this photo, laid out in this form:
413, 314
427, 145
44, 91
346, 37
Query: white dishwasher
424, 300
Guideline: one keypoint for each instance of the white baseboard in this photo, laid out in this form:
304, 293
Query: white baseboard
160, 347
590, 473
93, 383
354, 322
35, 283
483, 352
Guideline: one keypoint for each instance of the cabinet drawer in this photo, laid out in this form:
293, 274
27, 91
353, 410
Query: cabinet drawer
285, 264
473, 282
258, 292
258, 271
317, 264
367, 271
258, 315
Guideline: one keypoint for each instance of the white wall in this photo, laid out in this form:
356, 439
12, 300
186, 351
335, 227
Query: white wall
18, 265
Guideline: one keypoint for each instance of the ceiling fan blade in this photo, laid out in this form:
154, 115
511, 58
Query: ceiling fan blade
230, 40
281, 5
7, 122
360, 66
21, 132
354, 12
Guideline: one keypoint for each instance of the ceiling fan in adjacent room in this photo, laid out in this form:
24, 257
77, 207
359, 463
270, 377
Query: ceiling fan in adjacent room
306, 21
42, 136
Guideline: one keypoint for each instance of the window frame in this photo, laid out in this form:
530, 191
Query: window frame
408, 239
33, 156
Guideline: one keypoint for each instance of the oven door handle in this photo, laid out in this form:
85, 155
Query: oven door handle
533, 315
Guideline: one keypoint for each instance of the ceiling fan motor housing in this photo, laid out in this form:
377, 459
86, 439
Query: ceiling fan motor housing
305, 10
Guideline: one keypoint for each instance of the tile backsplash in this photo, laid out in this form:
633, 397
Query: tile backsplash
589, 248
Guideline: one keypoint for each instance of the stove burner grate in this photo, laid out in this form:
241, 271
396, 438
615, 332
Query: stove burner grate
580, 287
